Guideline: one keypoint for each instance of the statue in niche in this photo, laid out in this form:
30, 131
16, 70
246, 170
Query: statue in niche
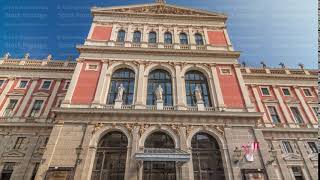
158, 93
198, 94
120, 93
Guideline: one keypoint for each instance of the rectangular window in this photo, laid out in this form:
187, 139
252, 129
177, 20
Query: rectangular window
36, 107
265, 91
8, 112
91, 67
296, 114
1, 82
225, 71
307, 92
23, 84
7, 170
19, 142
313, 147
46, 85
274, 114
315, 110
287, 147
66, 86
297, 173
286, 91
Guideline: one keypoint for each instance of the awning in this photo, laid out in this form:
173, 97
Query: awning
158, 154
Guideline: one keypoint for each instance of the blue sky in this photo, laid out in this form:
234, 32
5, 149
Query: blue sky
271, 31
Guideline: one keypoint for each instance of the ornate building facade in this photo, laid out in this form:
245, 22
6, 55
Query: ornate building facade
156, 93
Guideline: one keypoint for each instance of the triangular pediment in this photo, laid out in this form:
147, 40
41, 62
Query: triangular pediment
313, 157
159, 9
41, 94
13, 153
292, 157
61, 94
16, 93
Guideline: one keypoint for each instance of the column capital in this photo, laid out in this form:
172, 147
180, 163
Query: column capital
80, 60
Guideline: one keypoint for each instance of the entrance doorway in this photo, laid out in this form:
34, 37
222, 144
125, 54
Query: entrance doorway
206, 158
159, 170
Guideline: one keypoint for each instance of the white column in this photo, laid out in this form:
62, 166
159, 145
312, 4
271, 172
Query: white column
67, 100
228, 40
113, 36
51, 99
140, 104
304, 105
217, 88
6, 90
106, 90
260, 105
192, 38
91, 30
176, 39
282, 105
180, 93
26, 98
161, 38
144, 37
101, 86
114, 33
129, 36
205, 30
244, 90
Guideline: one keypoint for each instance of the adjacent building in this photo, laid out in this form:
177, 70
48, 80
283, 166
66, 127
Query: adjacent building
157, 93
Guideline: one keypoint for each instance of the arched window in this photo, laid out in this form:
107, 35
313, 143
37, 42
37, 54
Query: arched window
183, 38
110, 160
156, 78
152, 37
206, 158
194, 79
167, 38
162, 170
159, 140
199, 39
126, 78
121, 36
137, 37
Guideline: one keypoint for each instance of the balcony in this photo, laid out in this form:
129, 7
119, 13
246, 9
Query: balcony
136, 45
201, 48
184, 47
119, 44
152, 45
168, 46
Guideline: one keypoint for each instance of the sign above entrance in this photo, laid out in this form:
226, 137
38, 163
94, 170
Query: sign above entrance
160, 154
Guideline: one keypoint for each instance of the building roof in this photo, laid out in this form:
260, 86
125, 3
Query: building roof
157, 9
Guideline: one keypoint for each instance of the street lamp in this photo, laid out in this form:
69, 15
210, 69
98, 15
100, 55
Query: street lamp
237, 155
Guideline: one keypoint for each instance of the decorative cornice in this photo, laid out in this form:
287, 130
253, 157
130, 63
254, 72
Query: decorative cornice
148, 112
155, 51
158, 10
